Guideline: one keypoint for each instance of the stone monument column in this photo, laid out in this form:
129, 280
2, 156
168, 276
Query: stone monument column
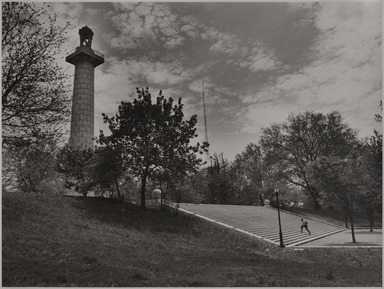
83, 102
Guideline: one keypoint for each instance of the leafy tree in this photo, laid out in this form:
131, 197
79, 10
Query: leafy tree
331, 203
190, 189
220, 189
34, 89
289, 197
248, 173
372, 151
26, 169
172, 179
289, 147
154, 136
372, 176
105, 170
379, 117
341, 178
73, 163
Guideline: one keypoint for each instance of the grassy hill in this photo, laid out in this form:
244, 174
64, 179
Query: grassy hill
51, 240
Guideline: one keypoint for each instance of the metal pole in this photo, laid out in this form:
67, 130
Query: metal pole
278, 212
205, 122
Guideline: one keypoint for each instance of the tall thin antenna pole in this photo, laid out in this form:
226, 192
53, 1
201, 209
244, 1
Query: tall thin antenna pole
205, 120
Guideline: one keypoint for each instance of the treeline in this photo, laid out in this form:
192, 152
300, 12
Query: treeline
291, 155
315, 159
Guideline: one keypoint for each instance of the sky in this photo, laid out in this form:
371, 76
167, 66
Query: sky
260, 61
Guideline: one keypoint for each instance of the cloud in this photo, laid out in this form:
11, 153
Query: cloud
260, 58
256, 59
155, 25
226, 43
139, 23
157, 73
68, 10
213, 93
300, 6
91, 12
255, 117
345, 72
174, 42
190, 31
119, 79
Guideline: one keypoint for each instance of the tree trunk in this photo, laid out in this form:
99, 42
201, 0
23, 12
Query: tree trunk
143, 184
351, 218
315, 196
316, 203
161, 200
370, 213
353, 231
346, 219
370, 218
352, 225
261, 200
118, 190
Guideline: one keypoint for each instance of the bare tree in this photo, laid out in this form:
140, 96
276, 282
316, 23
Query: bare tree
34, 89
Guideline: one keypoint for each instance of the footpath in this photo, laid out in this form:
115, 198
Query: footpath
364, 238
262, 223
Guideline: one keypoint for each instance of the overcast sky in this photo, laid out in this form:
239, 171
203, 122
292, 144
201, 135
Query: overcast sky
259, 61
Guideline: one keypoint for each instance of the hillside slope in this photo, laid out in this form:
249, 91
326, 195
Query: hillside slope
62, 241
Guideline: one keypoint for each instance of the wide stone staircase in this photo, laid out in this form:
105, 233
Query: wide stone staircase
262, 222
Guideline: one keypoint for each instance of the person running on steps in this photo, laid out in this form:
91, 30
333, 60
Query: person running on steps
304, 225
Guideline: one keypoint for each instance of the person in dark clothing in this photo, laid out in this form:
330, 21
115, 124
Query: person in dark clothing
304, 225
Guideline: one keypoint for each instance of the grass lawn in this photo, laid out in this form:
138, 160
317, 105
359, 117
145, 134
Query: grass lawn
62, 241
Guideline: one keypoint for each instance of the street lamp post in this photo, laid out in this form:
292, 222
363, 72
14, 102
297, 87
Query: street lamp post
276, 189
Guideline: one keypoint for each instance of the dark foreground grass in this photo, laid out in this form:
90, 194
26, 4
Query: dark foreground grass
61, 241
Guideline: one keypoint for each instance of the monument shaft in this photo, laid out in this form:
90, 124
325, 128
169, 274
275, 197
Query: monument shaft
82, 121
83, 103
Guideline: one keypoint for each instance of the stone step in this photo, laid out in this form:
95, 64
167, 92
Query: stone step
262, 221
